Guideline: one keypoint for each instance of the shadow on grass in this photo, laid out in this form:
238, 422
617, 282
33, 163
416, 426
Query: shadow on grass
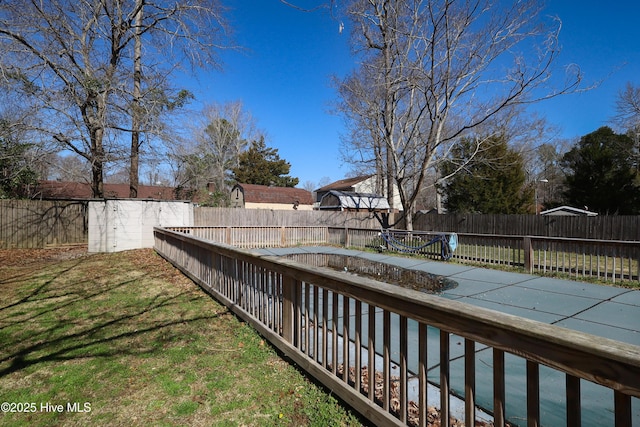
84, 319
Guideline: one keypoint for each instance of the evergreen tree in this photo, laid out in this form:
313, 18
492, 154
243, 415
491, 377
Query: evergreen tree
16, 174
602, 173
490, 181
263, 166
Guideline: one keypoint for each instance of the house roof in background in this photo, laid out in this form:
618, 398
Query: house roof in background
82, 190
281, 195
568, 210
351, 200
344, 184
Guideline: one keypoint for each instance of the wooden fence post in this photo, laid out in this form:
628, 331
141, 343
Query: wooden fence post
528, 254
346, 237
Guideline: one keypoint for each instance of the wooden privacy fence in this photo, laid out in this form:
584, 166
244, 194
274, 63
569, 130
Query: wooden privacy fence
607, 260
601, 227
38, 223
614, 261
378, 346
234, 217
259, 237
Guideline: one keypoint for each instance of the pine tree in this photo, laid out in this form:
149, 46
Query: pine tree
491, 182
263, 166
602, 173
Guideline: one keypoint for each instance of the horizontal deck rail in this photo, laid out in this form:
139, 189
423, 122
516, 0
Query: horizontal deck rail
608, 260
379, 346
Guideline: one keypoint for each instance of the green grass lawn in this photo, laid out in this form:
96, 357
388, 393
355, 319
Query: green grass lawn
125, 339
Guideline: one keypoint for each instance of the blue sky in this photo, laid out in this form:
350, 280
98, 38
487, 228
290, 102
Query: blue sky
283, 77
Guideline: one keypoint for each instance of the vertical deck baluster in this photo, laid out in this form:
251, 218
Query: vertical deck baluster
444, 379
386, 358
574, 417
403, 368
258, 292
316, 324
274, 300
307, 323
345, 338
257, 283
371, 369
358, 347
325, 316
533, 394
288, 308
255, 290
244, 280
264, 296
622, 405
334, 334
470, 382
298, 314
498, 388
422, 375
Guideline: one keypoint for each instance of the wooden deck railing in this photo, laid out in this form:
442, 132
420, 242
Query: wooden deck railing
378, 346
608, 260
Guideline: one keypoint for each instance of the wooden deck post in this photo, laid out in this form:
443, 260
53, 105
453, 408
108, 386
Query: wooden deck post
288, 308
528, 254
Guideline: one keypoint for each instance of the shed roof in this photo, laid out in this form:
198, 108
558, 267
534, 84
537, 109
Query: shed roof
344, 184
351, 200
267, 194
82, 190
568, 210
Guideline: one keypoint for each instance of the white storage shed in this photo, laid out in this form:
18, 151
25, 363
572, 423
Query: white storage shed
118, 225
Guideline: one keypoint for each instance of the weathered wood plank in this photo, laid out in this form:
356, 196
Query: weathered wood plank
574, 410
470, 382
499, 416
610, 363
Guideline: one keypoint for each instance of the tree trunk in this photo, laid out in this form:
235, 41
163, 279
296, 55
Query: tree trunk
97, 163
135, 111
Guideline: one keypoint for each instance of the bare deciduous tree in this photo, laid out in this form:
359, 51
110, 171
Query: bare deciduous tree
218, 136
73, 61
172, 33
433, 72
628, 108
